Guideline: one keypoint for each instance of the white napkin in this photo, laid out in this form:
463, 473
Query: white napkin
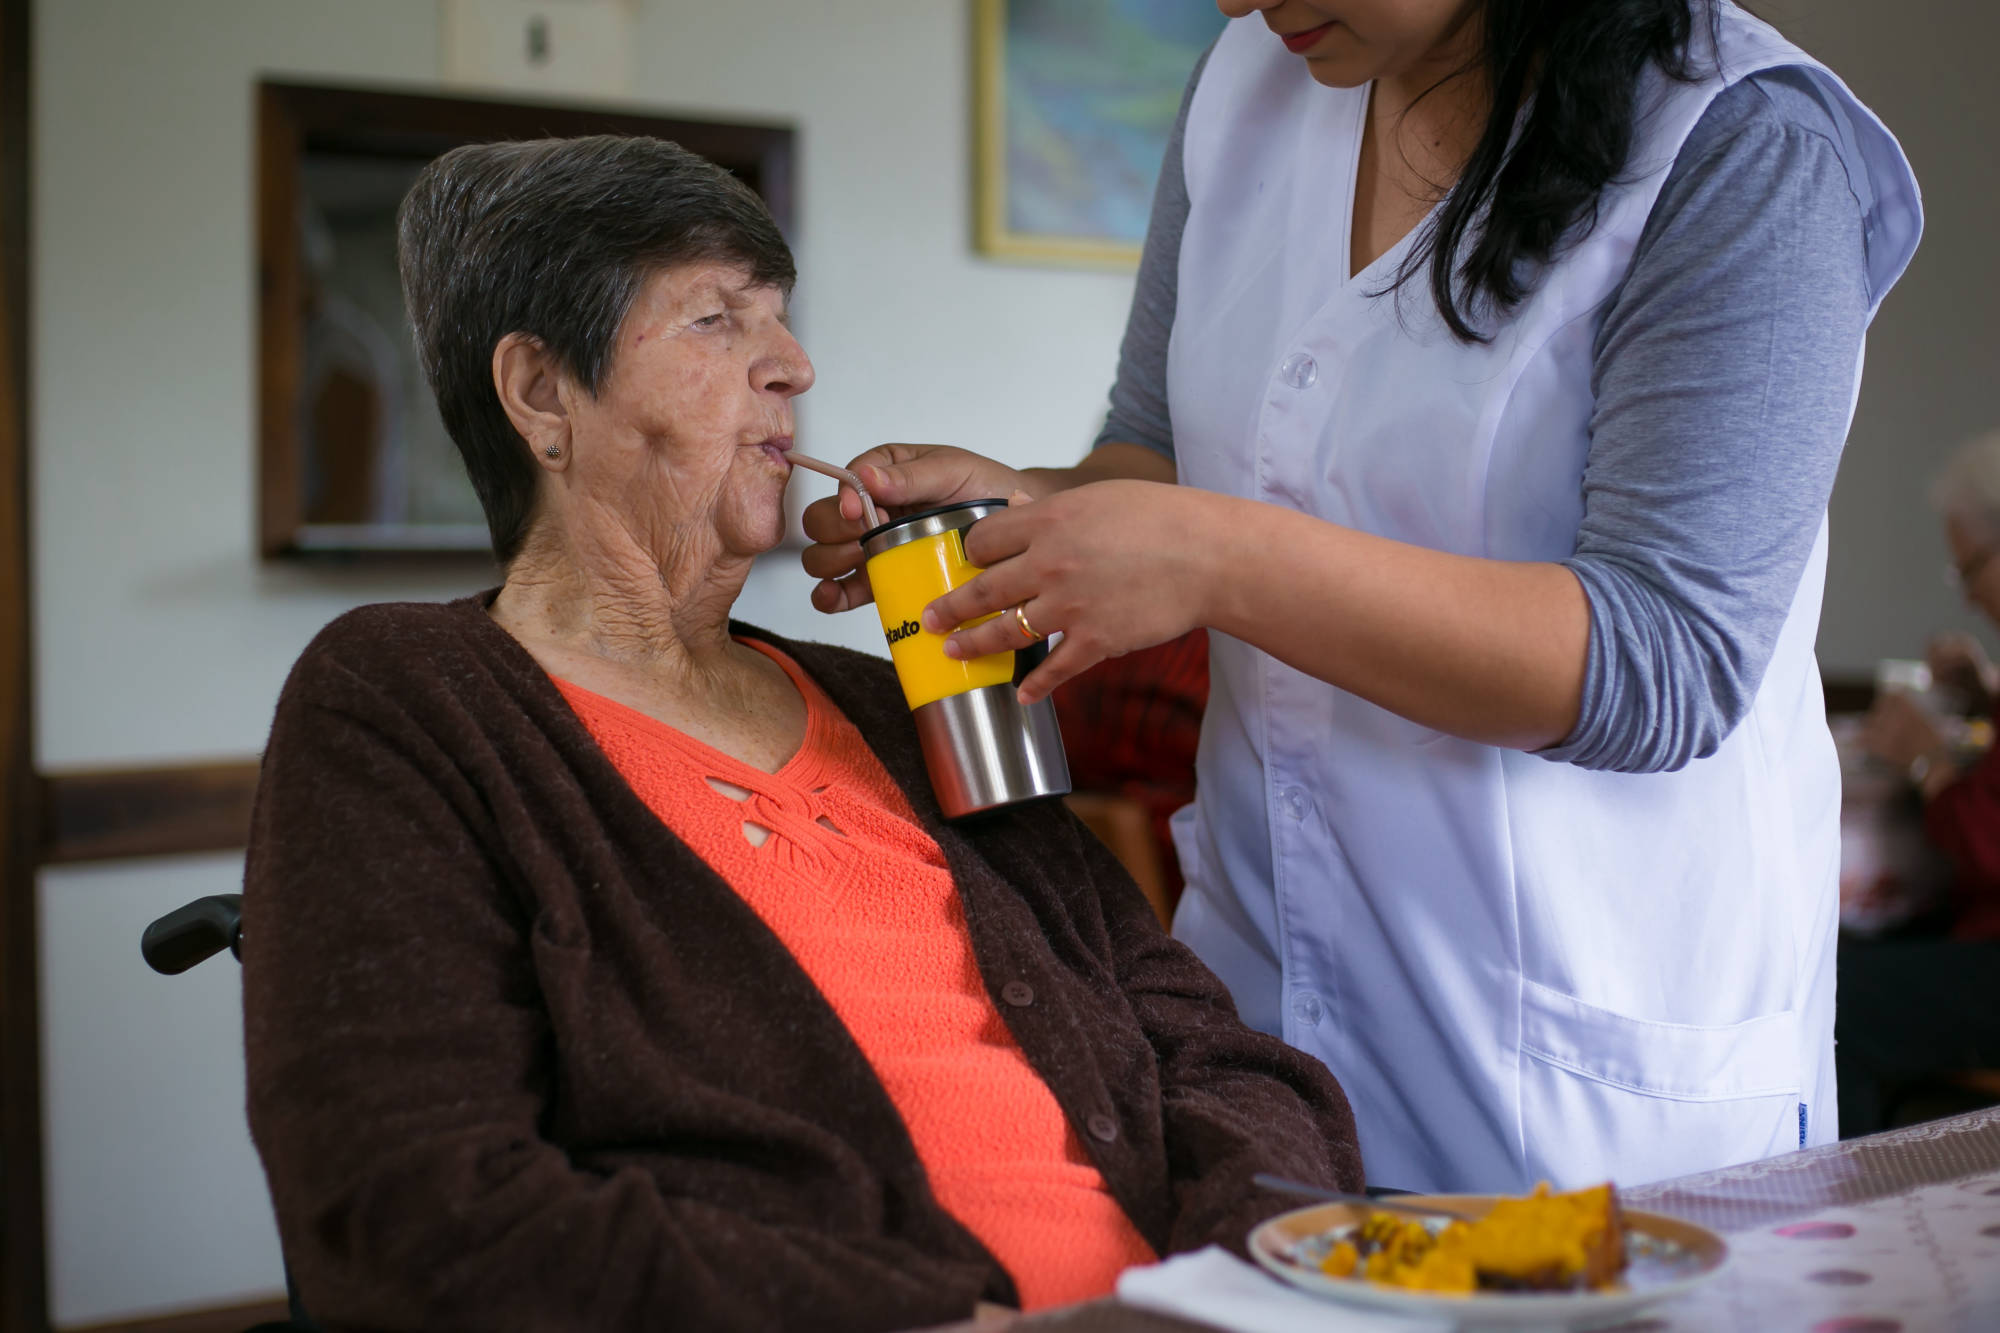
1215, 1287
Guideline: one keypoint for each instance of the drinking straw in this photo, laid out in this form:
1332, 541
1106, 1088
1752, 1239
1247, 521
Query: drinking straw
839, 474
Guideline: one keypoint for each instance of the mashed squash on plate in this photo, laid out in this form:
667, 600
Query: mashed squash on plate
1545, 1242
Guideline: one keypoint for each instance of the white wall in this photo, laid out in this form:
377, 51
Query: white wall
155, 1198
161, 637
1925, 66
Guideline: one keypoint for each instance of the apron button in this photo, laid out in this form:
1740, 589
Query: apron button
1018, 993
1102, 1128
1300, 371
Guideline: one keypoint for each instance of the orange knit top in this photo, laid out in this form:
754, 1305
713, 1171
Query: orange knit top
847, 878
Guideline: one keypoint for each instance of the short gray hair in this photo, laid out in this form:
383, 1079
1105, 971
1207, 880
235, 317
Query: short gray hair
1967, 487
554, 238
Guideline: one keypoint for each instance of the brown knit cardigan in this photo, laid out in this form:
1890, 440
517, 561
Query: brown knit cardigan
519, 1060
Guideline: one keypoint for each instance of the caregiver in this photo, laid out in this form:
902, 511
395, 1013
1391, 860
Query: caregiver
1503, 353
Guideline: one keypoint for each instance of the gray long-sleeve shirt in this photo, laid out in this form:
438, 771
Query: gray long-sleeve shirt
1723, 373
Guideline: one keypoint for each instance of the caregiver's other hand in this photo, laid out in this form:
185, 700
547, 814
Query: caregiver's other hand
1114, 565
901, 479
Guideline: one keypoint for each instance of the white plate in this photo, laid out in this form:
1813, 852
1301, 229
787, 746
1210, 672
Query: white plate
1667, 1257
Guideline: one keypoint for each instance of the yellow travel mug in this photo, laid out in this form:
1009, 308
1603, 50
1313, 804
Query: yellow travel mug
983, 748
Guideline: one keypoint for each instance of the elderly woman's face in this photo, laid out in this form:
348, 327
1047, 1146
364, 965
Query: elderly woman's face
1974, 565
688, 434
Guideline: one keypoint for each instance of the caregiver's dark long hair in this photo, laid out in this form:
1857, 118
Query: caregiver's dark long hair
1576, 65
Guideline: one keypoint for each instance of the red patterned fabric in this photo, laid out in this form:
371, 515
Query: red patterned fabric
1131, 724
1964, 821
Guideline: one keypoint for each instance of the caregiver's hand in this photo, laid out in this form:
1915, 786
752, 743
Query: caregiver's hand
901, 479
906, 478
1115, 565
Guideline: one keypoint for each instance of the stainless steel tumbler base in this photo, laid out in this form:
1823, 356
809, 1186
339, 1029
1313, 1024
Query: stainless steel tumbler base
984, 749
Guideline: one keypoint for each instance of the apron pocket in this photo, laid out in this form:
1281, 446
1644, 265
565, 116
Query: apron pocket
1607, 1097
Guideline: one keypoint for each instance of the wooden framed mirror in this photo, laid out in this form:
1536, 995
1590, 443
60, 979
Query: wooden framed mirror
352, 457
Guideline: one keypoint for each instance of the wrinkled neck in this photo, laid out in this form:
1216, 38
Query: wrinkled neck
655, 600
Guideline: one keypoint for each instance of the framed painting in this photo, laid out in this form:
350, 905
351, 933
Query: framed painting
352, 456
1075, 99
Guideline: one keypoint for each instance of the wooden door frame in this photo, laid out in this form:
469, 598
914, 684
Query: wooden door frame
23, 1266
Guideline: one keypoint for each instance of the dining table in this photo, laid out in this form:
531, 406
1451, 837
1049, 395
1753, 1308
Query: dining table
1893, 1233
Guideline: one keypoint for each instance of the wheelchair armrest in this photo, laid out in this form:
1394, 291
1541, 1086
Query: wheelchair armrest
191, 934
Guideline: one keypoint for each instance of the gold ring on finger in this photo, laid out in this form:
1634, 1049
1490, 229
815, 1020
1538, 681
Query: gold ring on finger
1021, 619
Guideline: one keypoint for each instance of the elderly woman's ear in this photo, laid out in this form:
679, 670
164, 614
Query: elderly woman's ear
534, 392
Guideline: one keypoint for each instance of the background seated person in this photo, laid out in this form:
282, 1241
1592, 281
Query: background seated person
612, 966
1914, 1007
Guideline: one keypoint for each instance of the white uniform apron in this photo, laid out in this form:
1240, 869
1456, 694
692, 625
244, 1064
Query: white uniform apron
1518, 969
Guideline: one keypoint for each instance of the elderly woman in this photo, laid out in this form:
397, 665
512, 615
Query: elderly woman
611, 964
1918, 1006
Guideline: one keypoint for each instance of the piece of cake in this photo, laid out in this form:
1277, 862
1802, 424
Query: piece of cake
1550, 1242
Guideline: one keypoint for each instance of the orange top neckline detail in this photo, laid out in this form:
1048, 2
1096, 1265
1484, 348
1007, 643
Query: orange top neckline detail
860, 894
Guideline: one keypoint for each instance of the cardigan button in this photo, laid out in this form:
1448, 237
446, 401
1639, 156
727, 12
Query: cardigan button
1102, 1128
1018, 993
